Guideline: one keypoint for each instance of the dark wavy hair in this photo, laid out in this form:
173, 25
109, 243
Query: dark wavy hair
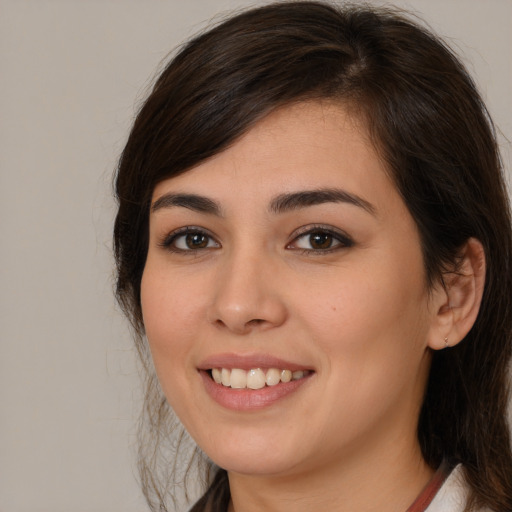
428, 123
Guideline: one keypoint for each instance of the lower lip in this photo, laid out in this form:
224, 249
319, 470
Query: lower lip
249, 399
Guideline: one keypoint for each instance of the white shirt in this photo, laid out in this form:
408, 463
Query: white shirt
452, 496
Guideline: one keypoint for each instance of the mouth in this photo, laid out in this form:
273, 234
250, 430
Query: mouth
253, 381
255, 378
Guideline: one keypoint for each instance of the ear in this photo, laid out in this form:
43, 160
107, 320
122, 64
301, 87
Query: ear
456, 304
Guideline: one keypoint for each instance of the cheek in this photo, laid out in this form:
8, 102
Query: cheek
372, 343
371, 327
362, 306
170, 301
170, 311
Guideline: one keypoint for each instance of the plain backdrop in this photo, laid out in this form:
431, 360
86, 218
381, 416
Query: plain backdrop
71, 76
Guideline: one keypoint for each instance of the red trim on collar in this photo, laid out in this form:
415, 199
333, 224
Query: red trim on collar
431, 489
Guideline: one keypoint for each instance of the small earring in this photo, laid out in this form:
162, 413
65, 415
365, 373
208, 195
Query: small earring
446, 342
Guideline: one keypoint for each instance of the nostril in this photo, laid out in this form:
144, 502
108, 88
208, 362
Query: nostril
242, 327
256, 321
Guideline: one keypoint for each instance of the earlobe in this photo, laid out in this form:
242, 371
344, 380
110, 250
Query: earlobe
457, 302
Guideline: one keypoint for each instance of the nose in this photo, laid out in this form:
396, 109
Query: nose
247, 297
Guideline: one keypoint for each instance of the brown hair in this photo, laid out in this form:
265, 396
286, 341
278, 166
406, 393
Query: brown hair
431, 128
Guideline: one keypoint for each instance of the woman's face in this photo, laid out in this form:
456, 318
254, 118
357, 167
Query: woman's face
291, 251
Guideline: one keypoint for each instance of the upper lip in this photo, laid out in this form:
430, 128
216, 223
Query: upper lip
248, 362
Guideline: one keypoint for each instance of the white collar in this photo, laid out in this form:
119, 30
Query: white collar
453, 494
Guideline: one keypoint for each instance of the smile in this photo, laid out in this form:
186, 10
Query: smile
249, 382
256, 378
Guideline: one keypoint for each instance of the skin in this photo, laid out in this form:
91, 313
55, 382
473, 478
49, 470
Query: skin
358, 313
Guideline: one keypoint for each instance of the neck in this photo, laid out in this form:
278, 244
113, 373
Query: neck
384, 482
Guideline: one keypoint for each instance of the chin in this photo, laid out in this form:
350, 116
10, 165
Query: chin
254, 464
253, 455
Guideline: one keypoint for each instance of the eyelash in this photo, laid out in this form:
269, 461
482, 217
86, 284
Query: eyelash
339, 239
170, 240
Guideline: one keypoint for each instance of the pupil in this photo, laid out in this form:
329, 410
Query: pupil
320, 240
196, 241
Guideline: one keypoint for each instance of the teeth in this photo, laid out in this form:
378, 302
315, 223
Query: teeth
226, 377
217, 375
255, 378
273, 377
286, 376
238, 378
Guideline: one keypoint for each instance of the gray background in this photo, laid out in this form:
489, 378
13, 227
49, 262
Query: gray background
71, 76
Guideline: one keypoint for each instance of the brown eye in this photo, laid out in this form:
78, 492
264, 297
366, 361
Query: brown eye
189, 240
320, 240
196, 241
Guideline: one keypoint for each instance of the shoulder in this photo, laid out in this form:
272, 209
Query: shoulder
453, 494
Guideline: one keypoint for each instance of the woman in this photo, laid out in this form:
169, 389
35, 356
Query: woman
314, 235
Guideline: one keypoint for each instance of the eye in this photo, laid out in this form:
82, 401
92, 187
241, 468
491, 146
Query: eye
189, 239
320, 239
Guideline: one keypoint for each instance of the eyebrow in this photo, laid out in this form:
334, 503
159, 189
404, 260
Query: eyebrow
280, 204
302, 199
193, 202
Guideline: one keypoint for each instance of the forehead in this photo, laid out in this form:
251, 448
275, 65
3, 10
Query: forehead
303, 146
